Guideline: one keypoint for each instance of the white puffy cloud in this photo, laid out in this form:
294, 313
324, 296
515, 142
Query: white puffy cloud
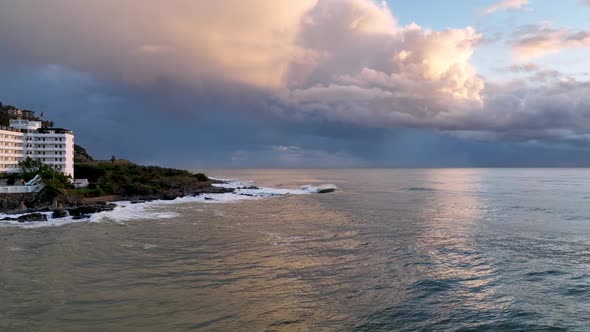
505, 5
384, 75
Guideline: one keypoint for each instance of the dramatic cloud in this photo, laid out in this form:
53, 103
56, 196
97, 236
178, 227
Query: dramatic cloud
550, 107
339, 61
540, 39
394, 78
250, 42
505, 5
298, 52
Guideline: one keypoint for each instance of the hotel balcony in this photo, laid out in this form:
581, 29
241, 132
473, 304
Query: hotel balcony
45, 148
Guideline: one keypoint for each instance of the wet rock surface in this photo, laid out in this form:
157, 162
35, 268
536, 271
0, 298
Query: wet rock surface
29, 217
33, 204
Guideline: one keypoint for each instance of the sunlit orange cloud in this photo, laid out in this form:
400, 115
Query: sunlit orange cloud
505, 5
542, 39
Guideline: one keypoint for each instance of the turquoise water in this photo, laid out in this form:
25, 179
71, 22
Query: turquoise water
411, 250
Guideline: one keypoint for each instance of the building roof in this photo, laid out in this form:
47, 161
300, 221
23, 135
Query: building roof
58, 130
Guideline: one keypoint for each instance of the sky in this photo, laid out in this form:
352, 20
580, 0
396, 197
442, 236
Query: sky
307, 83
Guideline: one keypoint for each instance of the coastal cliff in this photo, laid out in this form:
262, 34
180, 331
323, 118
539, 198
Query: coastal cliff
109, 181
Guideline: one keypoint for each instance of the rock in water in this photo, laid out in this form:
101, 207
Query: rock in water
59, 214
326, 190
248, 187
89, 209
168, 196
32, 217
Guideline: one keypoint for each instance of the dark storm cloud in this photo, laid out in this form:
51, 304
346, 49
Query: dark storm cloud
174, 128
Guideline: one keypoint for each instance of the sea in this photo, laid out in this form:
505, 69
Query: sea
389, 250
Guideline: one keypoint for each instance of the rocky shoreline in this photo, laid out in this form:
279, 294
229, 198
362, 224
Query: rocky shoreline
32, 209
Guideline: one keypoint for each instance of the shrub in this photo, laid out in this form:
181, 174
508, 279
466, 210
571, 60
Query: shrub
11, 179
133, 189
96, 192
90, 172
201, 177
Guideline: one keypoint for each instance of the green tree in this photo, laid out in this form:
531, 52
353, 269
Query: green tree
30, 167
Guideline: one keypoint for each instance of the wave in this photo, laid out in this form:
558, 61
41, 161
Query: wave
324, 188
127, 210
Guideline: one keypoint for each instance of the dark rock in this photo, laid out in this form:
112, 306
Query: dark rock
47, 195
249, 187
12, 202
32, 217
59, 214
82, 216
168, 197
86, 209
325, 191
137, 201
90, 209
213, 190
208, 198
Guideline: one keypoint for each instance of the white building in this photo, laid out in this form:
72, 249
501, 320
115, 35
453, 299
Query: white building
24, 138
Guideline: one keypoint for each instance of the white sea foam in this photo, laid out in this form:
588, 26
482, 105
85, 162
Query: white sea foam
127, 211
317, 189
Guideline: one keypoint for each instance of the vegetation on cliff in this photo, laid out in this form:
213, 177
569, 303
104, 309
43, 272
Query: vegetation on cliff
128, 179
111, 180
114, 177
81, 155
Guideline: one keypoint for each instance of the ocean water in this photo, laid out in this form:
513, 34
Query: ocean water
391, 250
